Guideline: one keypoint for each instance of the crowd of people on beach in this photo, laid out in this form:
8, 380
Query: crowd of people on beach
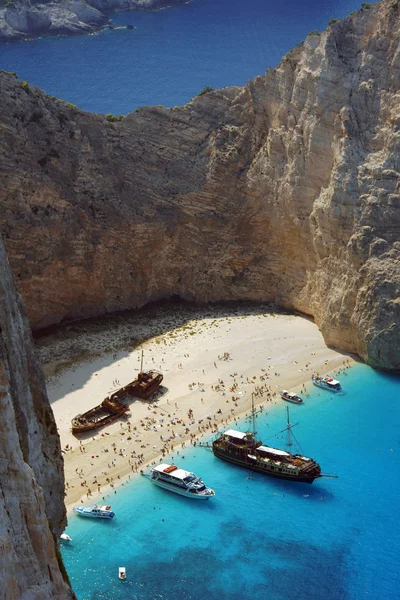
174, 429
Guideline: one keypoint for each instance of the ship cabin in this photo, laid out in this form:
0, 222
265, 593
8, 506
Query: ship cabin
333, 383
274, 453
276, 460
240, 439
175, 476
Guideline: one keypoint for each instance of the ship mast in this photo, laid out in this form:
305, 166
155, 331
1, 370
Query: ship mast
289, 433
141, 364
253, 415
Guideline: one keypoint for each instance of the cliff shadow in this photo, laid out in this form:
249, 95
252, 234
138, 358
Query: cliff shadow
83, 348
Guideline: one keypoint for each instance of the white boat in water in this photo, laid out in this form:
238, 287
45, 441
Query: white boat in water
65, 537
185, 483
289, 397
122, 572
327, 383
95, 512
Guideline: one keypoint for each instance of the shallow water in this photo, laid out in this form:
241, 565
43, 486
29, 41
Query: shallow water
172, 54
262, 538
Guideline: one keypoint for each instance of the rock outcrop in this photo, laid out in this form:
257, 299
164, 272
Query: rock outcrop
32, 512
286, 190
29, 18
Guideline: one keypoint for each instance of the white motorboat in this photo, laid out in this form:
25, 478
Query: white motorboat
185, 483
327, 383
65, 537
96, 512
289, 397
122, 572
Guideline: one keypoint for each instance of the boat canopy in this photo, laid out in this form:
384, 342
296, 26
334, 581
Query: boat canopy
177, 473
273, 451
332, 381
235, 434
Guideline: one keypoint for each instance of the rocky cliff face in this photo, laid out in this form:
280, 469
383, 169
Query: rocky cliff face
286, 190
32, 512
30, 18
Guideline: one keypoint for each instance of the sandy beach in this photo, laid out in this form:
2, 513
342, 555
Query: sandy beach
211, 365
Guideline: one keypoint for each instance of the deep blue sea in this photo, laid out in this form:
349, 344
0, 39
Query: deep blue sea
260, 538
172, 54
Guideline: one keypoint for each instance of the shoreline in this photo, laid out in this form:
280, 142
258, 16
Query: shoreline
124, 476
211, 366
82, 19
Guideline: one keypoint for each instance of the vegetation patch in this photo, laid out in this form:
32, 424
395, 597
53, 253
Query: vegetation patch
112, 118
205, 91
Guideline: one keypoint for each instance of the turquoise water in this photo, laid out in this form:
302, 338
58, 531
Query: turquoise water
260, 538
172, 54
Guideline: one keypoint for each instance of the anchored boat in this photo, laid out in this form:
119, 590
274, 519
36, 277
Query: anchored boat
289, 397
327, 383
244, 450
95, 512
185, 483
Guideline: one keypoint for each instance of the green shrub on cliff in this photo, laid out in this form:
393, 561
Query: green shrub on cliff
112, 118
366, 5
333, 21
206, 90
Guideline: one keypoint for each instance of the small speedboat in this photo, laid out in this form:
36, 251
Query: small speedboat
122, 572
289, 397
96, 512
65, 537
179, 481
327, 383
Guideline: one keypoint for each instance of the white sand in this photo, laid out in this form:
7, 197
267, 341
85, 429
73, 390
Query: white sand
278, 347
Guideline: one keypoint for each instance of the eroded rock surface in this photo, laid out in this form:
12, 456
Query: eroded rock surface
32, 513
286, 190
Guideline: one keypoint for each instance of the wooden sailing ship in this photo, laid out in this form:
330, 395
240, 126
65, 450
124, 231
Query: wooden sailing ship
245, 450
112, 407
